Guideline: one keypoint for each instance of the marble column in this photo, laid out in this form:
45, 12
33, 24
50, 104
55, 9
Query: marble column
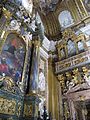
31, 100
35, 67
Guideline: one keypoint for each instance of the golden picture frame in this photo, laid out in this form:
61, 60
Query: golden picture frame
14, 56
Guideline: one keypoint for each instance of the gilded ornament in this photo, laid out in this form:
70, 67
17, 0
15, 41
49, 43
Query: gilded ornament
18, 109
6, 13
68, 75
7, 106
85, 70
77, 76
61, 78
28, 109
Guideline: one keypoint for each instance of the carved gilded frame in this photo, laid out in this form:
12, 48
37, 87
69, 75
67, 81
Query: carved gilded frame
3, 39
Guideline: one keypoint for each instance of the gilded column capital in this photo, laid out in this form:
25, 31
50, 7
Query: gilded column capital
50, 59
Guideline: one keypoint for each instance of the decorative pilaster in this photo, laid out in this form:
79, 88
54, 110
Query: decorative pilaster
52, 90
81, 8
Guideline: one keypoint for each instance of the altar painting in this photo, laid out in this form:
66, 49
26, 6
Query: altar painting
12, 57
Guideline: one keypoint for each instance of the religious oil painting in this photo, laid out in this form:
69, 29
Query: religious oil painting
12, 57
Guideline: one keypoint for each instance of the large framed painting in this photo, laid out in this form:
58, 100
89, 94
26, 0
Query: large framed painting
12, 57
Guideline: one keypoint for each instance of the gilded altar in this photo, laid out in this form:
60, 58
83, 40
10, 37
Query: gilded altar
18, 77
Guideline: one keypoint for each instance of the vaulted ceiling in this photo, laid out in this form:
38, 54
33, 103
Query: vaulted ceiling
48, 11
49, 16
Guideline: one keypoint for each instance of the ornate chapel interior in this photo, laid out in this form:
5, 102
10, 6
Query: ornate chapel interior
44, 59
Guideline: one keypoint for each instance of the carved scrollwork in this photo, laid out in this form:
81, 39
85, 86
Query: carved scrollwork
6, 81
8, 84
61, 78
76, 76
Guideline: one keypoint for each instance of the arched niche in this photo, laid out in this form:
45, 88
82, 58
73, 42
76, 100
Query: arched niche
12, 57
65, 19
